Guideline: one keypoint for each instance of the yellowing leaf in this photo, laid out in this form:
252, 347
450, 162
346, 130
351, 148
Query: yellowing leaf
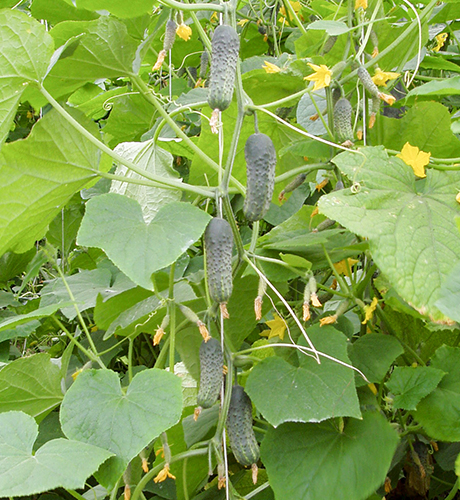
440, 40
183, 31
381, 77
270, 68
412, 156
345, 266
277, 327
321, 76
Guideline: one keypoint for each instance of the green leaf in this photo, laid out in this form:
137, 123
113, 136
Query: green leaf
449, 295
85, 287
118, 7
140, 249
39, 175
58, 463
19, 331
153, 160
105, 51
447, 86
309, 392
373, 354
306, 110
332, 28
410, 385
25, 52
438, 412
263, 87
411, 226
59, 10
20, 319
317, 461
32, 385
96, 410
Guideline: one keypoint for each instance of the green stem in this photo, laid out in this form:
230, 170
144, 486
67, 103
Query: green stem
172, 320
171, 183
85, 351
130, 359
231, 220
285, 100
255, 492
153, 472
226, 399
311, 167
75, 494
204, 37
292, 13
193, 7
254, 236
453, 491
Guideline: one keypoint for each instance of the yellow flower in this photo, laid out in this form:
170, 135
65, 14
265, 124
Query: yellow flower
270, 68
458, 197
412, 156
145, 465
183, 31
375, 52
389, 99
242, 22
214, 17
345, 266
360, 3
282, 12
440, 40
315, 301
321, 76
381, 77
369, 310
328, 320
277, 327
163, 474
159, 332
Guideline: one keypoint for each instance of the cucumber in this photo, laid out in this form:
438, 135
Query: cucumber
170, 35
204, 63
260, 158
239, 428
367, 82
342, 120
224, 58
211, 372
218, 243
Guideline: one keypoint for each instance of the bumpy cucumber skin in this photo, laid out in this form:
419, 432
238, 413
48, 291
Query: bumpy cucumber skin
204, 63
239, 428
211, 372
218, 241
366, 80
170, 35
260, 155
224, 58
342, 120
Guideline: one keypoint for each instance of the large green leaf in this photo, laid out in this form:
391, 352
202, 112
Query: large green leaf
411, 384
32, 385
154, 160
439, 411
410, 225
25, 52
310, 392
106, 50
318, 461
373, 354
58, 463
115, 223
449, 296
38, 176
95, 410
120, 8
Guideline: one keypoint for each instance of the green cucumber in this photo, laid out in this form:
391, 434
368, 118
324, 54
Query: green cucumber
260, 156
367, 82
342, 120
218, 243
211, 372
204, 63
170, 35
224, 58
239, 428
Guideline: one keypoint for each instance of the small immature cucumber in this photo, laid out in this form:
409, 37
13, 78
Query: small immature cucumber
218, 243
260, 155
211, 372
204, 63
239, 427
366, 80
224, 58
170, 35
342, 120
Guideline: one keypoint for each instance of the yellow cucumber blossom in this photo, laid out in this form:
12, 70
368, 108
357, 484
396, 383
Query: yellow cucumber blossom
412, 156
369, 310
271, 68
360, 3
440, 41
381, 77
183, 31
321, 76
163, 474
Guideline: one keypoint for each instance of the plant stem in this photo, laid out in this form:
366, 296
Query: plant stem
75, 494
171, 183
172, 320
453, 491
130, 360
311, 167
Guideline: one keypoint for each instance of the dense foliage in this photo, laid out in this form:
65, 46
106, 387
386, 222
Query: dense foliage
320, 138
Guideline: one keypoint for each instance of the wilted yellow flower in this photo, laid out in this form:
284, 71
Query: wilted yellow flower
345, 266
242, 22
145, 465
315, 301
183, 31
369, 310
389, 99
163, 474
204, 331
375, 52
159, 332
381, 77
321, 76
270, 68
328, 320
360, 3
412, 156
440, 40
